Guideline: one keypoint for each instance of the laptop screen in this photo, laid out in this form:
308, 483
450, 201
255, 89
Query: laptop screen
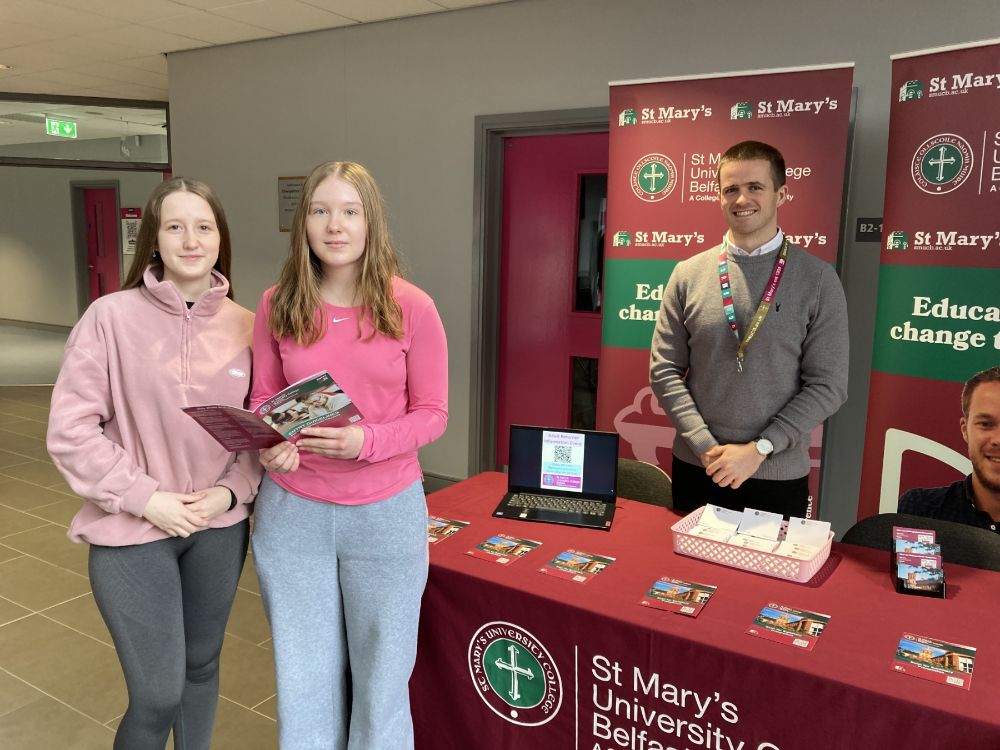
563, 462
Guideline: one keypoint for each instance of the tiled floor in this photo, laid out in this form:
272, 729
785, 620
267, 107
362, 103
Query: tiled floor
60, 683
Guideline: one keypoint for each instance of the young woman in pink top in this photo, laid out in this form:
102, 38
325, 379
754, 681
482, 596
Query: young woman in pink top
166, 507
340, 540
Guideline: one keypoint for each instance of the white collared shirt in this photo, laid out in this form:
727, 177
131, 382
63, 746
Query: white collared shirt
768, 247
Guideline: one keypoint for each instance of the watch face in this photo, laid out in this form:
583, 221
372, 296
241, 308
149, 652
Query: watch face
765, 447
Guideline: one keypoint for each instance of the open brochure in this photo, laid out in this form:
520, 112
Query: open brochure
315, 400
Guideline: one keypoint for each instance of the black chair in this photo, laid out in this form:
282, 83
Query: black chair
962, 544
638, 480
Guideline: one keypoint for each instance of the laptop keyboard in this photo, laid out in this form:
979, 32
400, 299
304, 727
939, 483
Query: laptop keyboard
558, 504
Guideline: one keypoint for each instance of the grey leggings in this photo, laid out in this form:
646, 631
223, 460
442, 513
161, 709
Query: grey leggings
166, 604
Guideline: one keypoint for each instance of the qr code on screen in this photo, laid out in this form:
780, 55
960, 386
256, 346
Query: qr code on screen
563, 454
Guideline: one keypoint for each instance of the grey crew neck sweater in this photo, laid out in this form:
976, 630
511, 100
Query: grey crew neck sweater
795, 371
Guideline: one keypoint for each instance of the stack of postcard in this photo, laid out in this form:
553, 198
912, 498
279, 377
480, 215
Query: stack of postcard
916, 562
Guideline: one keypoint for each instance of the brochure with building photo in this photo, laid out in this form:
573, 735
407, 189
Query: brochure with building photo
503, 549
934, 660
576, 566
792, 627
315, 400
439, 529
675, 595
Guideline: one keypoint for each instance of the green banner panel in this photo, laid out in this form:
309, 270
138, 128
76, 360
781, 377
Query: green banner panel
937, 322
633, 290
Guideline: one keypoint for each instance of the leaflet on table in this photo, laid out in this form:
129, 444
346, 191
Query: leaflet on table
315, 400
792, 627
934, 660
576, 566
675, 595
439, 529
503, 549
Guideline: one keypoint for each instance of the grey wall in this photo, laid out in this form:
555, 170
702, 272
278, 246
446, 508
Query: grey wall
401, 96
36, 238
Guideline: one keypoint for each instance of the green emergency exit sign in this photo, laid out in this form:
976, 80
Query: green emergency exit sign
61, 128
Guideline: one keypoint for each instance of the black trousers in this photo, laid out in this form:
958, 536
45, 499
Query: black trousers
692, 488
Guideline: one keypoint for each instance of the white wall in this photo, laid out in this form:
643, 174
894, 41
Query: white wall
401, 96
36, 238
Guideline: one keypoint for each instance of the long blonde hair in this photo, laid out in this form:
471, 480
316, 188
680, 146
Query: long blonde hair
297, 305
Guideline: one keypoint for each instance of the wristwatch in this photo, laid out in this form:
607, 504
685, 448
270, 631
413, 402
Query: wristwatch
764, 446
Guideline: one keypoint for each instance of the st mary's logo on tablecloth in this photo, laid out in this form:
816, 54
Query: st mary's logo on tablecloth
514, 674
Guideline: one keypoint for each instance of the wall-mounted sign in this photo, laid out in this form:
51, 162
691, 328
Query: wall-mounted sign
289, 190
131, 218
869, 229
60, 128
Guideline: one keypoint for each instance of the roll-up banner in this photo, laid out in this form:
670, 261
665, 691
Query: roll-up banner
666, 137
938, 318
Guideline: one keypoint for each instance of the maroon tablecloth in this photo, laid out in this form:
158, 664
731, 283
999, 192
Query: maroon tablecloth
620, 675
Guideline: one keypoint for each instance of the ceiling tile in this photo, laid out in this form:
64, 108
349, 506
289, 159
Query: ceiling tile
122, 11
29, 84
376, 10
146, 39
283, 16
34, 58
54, 17
122, 74
112, 48
16, 34
455, 4
206, 27
151, 63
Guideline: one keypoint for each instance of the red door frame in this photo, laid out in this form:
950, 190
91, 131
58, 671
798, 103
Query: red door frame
490, 132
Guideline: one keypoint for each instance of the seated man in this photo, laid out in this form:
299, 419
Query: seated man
974, 500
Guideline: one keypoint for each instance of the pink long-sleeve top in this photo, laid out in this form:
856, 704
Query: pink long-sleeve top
116, 429
400, 386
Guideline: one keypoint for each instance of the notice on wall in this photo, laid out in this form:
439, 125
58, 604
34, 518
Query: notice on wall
131, 218
289, 190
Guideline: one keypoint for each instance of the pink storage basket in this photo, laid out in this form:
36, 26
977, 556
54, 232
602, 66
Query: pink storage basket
767, 563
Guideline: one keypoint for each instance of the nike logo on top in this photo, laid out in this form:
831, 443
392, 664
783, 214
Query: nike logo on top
339, 320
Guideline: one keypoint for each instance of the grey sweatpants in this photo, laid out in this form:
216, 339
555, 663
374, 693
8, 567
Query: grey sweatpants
342, 587
166, 604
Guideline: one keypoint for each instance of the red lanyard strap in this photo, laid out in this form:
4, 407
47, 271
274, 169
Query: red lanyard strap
765, 301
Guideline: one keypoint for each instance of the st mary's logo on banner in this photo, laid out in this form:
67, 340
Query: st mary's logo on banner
941, 163
514, 674
654, 177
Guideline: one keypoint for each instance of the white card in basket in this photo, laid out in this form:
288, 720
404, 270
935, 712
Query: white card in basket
807, 531
761, 524
720, 518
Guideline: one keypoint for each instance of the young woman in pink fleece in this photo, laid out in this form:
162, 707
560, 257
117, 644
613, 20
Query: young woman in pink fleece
166, 507
340, 540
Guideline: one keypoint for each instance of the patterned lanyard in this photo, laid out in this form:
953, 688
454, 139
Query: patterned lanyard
765, 300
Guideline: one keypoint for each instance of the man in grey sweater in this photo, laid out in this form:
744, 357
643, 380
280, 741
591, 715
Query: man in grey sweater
750, 350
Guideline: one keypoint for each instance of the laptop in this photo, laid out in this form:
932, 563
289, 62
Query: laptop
559, 475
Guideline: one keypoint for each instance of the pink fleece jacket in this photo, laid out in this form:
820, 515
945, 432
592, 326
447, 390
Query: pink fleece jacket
116, 429
400, 386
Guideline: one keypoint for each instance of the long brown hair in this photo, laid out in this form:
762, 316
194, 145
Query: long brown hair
149, 227
296, 305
